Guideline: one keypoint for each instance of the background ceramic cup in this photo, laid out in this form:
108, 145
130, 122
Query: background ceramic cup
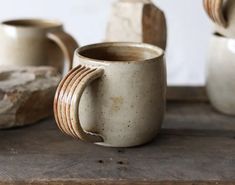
223, 14
35, 42
125, 106
220, 74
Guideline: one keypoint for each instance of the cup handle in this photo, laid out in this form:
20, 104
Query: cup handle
67, 99
66, 43
214, 9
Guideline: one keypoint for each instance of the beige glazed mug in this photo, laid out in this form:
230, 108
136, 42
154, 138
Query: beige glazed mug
222, 13
220, 74
36, 42
124, 105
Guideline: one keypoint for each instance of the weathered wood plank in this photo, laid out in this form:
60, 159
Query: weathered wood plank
196, 146
180, 93
120, 182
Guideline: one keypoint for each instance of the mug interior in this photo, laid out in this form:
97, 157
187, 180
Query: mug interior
120, 52
37, 23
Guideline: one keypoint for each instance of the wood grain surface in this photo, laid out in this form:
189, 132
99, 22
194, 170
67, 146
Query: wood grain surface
187, 93
195, 147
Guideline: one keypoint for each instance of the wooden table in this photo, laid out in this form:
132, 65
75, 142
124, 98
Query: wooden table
196, 146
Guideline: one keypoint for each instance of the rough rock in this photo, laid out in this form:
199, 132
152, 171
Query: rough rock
137, 21
26, 94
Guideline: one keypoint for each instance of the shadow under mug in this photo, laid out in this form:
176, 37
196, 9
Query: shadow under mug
36, 42
220, 80
124, 105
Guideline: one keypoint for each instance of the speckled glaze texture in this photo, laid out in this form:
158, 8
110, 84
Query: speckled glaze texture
34, 42
220, 74
222, 13
125, 105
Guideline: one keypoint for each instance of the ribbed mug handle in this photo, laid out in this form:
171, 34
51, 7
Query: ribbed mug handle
214, 9
67, 99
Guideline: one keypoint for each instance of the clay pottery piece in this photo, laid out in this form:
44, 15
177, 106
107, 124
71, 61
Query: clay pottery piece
220, 74
124, 105
36, 42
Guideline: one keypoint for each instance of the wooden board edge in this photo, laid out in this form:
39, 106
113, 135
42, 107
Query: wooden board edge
187, 93
118, 182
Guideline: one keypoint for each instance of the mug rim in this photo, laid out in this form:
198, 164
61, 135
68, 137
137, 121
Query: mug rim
32, 23
159, 52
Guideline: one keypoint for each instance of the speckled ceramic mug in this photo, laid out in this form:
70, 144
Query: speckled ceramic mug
36, 42
124, 105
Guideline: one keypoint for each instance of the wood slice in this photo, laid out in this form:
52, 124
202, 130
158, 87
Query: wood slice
26, 94
137, 21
